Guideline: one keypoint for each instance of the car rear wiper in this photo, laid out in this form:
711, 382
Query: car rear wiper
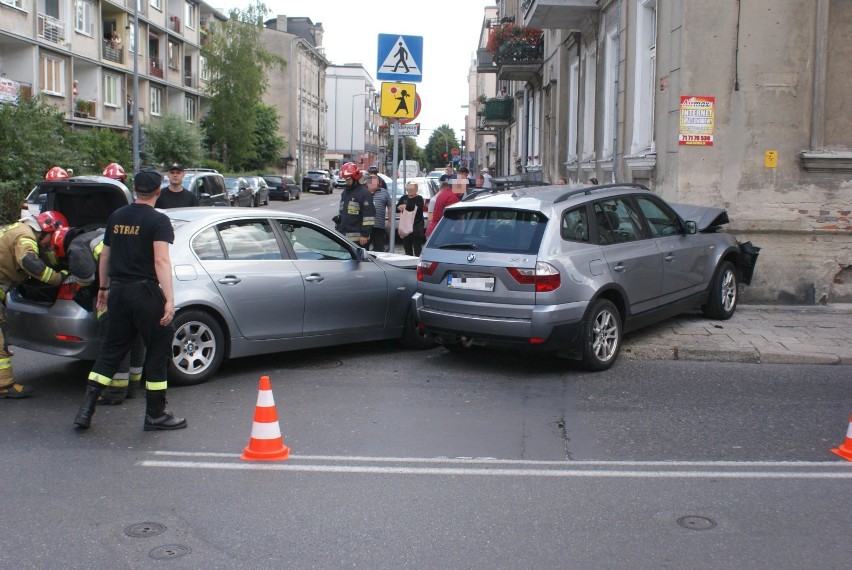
457, 246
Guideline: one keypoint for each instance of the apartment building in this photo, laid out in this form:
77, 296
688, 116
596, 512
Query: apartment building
741, 105
354, 127
81, 55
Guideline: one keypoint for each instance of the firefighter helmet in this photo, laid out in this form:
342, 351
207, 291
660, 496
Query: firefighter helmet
57, 241
350, 170
115, 171
51, 221
56, 173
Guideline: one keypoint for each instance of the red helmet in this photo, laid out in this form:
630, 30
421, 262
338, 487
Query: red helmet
115, 171
350, 170
57, 241
56, 173
51, 221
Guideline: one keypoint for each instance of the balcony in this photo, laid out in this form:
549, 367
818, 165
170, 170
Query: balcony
84, 109
112, 53
174, 23
518, 52
558, 14
155, 67
51, 29
485, 61
190, 80
497, 112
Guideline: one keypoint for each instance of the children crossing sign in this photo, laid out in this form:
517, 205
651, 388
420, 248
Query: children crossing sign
398, 100
400, 58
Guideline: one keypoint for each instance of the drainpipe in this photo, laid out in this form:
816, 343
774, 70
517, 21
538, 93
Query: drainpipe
615, 97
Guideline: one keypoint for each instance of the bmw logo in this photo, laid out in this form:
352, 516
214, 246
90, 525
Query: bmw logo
471, 257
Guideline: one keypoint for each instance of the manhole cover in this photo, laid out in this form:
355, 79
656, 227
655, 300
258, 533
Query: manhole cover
696, 523
169, 551
320, 364
141, 530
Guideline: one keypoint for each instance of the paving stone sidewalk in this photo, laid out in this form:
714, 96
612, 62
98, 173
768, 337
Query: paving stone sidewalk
756, 333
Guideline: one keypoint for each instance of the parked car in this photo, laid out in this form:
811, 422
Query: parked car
36, 200
239, 191
205, 183
436, 174
570, 271
316, 180
337, 181
260, 190
227, 262
283, 187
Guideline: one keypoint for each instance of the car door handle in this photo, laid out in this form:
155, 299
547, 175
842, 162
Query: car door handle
314, 278
620, 268
229, 280
669, 257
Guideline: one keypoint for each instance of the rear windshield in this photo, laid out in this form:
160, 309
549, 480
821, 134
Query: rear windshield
490, 229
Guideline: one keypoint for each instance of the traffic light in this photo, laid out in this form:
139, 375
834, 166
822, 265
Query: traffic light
462, 143
445, 155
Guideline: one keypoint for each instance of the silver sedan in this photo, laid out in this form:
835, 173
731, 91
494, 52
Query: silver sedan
250, 282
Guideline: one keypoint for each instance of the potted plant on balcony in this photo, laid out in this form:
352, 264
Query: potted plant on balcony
515, 44
84, 108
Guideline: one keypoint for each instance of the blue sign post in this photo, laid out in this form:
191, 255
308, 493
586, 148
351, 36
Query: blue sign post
400, 58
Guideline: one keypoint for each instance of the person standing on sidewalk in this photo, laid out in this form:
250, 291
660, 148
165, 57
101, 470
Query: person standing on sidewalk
135, 274
382, 204
412, 201
19, 260
176, 196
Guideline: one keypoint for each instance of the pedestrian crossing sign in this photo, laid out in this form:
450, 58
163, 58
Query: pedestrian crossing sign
398, 100
400, 58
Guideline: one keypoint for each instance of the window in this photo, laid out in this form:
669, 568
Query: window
83, 22
309, 243
189, 109
249, 239
189, 15
575, 225
646, 63
206, 245
573, 108
661, 219
13, 3
202, 65
156, 100
617, 221
610, 95
52, 75
112, 90
174, 55
589, 67
157, 5
131, 37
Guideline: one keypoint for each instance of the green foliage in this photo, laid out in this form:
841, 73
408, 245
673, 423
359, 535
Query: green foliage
267, 144
172, 139
214, 164
96, 148
33, 139
238, 62
443, 139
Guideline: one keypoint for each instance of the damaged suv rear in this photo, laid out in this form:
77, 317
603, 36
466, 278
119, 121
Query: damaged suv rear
569, 271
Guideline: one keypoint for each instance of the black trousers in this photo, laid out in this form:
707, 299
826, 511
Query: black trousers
135, 309
379, 239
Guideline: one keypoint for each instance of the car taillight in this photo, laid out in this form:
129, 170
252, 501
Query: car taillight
67, 291
544, 277
425, 269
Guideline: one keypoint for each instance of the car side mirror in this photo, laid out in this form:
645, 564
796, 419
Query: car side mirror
691, 228
204, 196
362, 254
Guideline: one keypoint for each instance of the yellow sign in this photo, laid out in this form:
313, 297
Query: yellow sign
398, 100
770, 159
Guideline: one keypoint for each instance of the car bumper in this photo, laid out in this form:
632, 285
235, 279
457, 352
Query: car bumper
542, 328
64, 329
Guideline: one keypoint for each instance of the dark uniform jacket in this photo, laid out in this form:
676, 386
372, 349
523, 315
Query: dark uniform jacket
357, 214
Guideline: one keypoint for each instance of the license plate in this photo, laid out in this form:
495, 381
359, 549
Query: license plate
315, 185
474, 283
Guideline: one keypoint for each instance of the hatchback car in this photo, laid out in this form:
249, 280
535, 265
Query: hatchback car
260, 190
570, 270
316, 181
227, 262
239, 192
283, 187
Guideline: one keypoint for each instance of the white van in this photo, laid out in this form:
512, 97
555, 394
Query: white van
411, 168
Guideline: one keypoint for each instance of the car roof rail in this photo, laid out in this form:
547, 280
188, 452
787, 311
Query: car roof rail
590, 189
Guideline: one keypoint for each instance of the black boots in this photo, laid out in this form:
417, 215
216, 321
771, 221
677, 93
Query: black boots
156, 416
87, 409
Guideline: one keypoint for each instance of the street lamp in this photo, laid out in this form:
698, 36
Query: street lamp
352, 127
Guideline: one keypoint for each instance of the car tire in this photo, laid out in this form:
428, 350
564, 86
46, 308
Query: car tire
723, 293
299, 195
601, 336
198, 347
413, 336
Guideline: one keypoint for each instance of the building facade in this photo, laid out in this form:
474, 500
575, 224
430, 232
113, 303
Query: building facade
354, 123
297, 91
742, 105
80, 55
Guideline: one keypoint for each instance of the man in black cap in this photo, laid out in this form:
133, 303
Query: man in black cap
176, 196
135, 274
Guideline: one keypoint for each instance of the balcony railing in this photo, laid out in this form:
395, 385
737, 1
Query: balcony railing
155, 67
558, 14
485, 61
141, 6
84, 109
51, 29
190, 80
174, 23
112, 53
497, 111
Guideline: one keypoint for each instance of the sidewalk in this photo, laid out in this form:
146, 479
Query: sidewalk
756, 333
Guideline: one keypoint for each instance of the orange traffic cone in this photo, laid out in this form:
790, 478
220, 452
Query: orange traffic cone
845, 450
265, 442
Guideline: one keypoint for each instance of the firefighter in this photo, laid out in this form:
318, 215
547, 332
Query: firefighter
19, 261
357, 214
79, 252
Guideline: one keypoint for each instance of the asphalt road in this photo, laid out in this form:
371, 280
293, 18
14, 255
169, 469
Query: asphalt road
427, 459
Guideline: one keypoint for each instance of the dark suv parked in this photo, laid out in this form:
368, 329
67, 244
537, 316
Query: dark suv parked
205, 183
316, 180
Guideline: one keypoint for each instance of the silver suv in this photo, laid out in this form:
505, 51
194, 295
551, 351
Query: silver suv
569, 270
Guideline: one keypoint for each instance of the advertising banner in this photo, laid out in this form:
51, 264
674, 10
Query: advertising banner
697, 116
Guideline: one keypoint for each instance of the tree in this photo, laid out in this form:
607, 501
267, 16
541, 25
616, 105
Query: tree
101, 146
172, 139
238, 63
267, 143
443, 140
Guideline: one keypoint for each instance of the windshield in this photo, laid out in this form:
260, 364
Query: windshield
490, 229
